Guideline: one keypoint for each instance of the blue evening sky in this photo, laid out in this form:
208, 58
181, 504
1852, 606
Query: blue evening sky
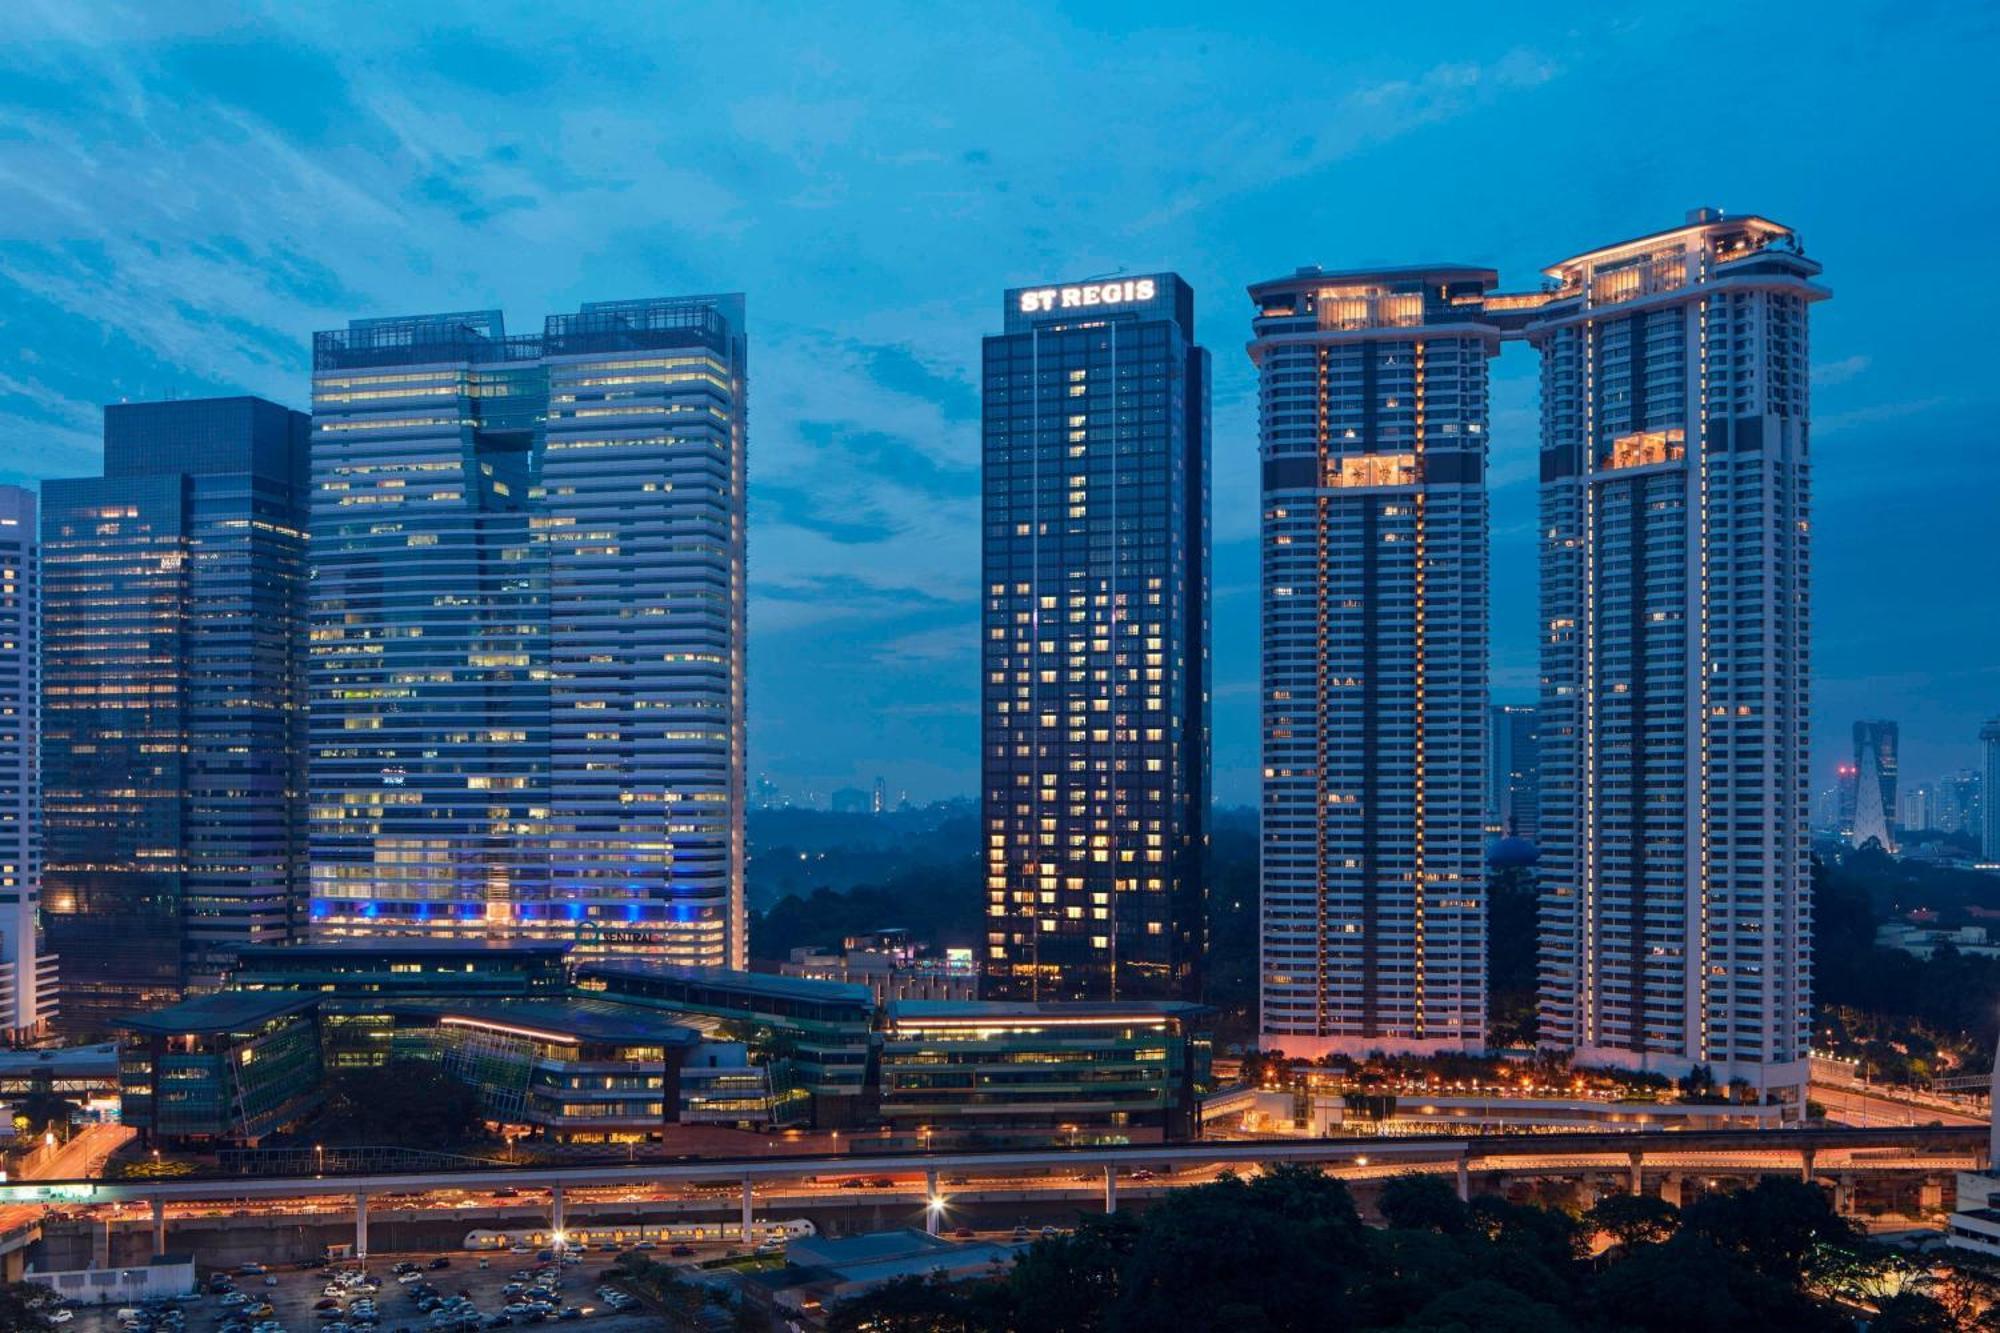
187, 191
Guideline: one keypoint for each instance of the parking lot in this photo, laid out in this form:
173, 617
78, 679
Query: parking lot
294, 1294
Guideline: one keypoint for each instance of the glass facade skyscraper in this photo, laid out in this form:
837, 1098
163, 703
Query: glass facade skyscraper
527, 647
1513, 771
1372, 417
1095, 657
172, 730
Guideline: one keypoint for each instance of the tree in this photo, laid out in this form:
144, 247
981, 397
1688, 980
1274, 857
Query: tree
1634, 1219
404, 1103
1424, 1203
1486, 1306
904, 1305
25, 1307
1912, 1312
1776, 1225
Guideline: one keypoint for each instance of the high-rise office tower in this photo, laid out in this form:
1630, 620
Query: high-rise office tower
527, 624
173, 719
1989, 792
1875, 784
1955, 803
28, 994
1676, 914
1513, 771
1916, 808
1373, 417
1095, 655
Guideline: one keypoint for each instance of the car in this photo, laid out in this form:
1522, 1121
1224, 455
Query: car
1020, 1234
854, 1183
681, 1251
251, 1270
883, 1183
964, 1233
646, 1245
326, 1303
271, 1280
61, 1316
1050, 1231
569, 1312
440, 1262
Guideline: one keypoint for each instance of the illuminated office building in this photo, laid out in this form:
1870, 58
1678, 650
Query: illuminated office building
172, 718
1372, 418
27, 968
526, 660
1676, 919
1095, 654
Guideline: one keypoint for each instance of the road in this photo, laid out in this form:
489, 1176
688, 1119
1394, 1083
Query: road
1870, 1109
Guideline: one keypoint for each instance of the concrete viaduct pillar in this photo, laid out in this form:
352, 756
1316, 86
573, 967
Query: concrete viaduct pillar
1670, 1188
361, 1226
1464, 1180
1843, 1193
933, 1204
1638, 1181
1806, 1159
159, 1227
556, 1202
749, 1223
1110, 1189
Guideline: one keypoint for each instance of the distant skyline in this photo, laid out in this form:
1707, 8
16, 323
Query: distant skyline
190, 191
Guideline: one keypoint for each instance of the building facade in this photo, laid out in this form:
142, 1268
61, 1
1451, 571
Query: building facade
1875, 784
1089, 1072
815, 1036
1095, 657
172, 746
527, 657
1676, 917
28, 982
223, 1067
1372, 425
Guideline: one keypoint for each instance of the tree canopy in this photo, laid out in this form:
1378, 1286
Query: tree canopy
1287, 1251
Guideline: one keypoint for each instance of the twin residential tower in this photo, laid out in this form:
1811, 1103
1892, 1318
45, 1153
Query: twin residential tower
1675, 920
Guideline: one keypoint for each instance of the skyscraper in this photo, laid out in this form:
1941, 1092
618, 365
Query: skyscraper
27, 970
1513, 771
1875, 784
1989, 792
1674, 506
527, 658
172, 725
1373, 418
1095, 655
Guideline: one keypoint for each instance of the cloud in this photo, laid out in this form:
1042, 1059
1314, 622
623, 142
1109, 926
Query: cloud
1841, 371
